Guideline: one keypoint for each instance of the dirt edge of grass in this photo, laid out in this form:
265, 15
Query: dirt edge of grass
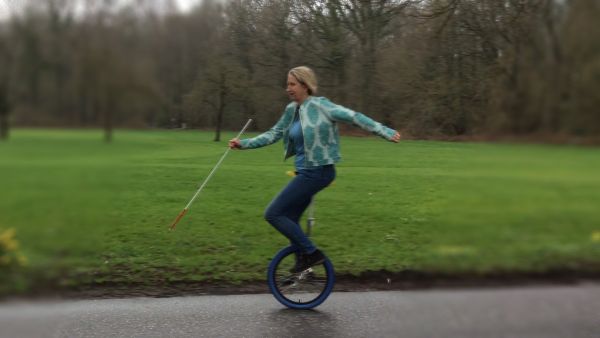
367, 281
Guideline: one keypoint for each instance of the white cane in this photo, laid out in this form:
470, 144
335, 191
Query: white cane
206, 180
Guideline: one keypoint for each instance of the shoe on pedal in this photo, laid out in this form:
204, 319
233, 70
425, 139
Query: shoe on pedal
299, 263
305, 261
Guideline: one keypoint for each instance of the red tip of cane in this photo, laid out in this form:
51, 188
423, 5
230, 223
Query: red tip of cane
172, 227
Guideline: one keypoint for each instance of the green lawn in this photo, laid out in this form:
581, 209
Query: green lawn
89, 212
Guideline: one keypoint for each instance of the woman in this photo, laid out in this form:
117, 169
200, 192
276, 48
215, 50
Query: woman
310, 133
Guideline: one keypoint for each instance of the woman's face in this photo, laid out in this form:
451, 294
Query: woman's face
295, 90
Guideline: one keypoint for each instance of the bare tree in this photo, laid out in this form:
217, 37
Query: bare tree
241, 30
369, 22
432, 67
4, 111
220, 78
325, 39
581, 41
5, 66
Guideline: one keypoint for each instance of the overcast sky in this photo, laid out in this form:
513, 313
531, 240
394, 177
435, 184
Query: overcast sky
7, 5
186, 4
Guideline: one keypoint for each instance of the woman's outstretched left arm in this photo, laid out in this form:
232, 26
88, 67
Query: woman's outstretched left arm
343, 114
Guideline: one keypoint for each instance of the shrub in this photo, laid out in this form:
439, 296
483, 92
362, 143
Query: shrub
10, 256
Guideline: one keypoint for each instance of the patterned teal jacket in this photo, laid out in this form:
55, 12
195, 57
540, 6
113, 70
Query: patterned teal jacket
318, 118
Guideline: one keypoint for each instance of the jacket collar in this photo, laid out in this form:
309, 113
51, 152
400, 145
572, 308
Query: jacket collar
304, 103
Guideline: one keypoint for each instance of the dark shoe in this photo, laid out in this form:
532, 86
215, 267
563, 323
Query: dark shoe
299, 263
305, 261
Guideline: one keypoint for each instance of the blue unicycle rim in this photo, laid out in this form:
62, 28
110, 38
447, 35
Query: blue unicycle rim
329, 272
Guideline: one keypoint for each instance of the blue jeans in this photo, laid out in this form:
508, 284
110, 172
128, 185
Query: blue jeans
285, 210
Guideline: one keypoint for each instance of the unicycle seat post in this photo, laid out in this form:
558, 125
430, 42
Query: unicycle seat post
309, 225
310, 221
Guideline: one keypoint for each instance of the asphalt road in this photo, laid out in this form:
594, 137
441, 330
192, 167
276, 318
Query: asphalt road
550, 311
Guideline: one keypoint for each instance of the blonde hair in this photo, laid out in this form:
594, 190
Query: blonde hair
306, 77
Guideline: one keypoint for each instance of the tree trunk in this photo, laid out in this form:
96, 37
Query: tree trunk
108, 125
4, 108
108, 129
368, 77
221, 108
4, 126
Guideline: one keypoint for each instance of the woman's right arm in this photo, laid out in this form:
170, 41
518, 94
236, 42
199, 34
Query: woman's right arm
269, 137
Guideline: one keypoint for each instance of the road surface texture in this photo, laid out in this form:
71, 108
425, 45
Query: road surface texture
542, 311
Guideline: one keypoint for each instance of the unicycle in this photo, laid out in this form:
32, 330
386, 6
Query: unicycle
303, 290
